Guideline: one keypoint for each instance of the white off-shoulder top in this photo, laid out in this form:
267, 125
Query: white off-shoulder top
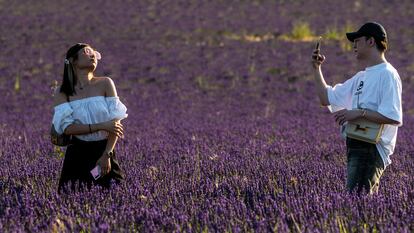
90, 110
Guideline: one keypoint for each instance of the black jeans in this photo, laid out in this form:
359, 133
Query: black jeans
364, 166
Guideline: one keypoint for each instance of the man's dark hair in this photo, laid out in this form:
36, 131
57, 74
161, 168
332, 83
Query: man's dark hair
381, 45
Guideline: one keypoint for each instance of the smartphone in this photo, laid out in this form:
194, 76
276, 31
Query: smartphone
96, 172
318, 43
318, 46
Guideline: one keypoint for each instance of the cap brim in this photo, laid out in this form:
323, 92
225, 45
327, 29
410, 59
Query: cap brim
353, 35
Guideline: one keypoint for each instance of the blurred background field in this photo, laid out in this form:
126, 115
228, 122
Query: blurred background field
225, 132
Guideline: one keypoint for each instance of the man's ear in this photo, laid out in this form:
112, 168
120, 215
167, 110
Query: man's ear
371, 42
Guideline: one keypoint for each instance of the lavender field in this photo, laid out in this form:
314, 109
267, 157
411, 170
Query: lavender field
225, 132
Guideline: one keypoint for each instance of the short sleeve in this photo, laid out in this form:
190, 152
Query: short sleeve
117, 110
340, 96
62, 117
390, 97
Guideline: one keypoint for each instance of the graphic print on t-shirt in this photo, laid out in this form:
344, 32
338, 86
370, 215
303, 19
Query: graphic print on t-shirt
358, 92
361, 85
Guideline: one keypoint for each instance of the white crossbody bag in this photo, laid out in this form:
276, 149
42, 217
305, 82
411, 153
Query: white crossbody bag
364, 130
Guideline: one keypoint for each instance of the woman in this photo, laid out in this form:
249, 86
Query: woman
88, 108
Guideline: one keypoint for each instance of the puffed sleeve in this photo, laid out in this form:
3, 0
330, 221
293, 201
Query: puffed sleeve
62, 117
117, 110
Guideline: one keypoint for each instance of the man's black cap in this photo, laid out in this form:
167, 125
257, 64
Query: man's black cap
370, 29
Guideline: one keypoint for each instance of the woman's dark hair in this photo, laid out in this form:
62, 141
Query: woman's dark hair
69, 76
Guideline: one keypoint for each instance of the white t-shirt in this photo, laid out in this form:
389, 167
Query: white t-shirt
377, 88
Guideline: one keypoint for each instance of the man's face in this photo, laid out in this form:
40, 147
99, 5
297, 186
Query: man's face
362, 47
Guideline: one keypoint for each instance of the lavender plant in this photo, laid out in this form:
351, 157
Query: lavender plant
224, 133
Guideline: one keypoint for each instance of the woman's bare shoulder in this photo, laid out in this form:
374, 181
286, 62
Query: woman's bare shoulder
108, 85
104, 80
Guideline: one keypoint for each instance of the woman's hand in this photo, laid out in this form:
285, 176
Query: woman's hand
105, 163
114, 127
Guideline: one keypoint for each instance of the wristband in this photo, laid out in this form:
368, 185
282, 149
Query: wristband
364, 112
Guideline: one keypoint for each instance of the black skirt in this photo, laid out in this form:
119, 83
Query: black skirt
80, 158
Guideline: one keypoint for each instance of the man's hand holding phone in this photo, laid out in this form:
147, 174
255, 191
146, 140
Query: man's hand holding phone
317, 57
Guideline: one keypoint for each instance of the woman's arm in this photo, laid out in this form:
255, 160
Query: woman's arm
77, 129
104, 160
112, 127
110, 145
110, 91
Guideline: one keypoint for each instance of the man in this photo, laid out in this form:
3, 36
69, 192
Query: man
374, 95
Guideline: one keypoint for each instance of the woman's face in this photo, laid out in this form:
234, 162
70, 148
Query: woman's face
87, 59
